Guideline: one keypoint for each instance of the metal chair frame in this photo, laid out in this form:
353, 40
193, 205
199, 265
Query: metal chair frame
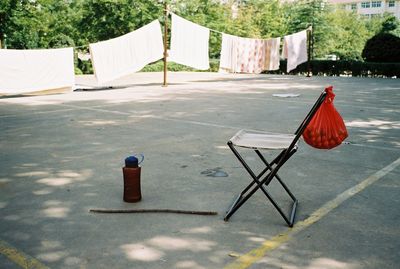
261, 182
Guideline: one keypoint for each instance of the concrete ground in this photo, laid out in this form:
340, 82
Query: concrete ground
61, 155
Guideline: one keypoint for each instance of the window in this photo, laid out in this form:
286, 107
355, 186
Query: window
392, 3
353, 6
376, 3
365, 4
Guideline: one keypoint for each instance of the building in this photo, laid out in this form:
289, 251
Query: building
370, 8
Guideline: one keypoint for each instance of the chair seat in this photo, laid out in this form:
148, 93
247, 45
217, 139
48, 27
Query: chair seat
261, 140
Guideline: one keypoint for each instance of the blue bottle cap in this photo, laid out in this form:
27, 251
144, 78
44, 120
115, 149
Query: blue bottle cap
131, 162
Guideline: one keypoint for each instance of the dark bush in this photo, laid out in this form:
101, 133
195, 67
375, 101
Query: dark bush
383, 47
355, 68
346, 68
318, 67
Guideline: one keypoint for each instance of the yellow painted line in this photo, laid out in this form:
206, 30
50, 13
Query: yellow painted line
257, 254
23, 260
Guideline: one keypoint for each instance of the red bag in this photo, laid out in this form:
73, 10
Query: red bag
326, 129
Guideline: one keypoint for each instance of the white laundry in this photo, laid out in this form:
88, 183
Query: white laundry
248, 55
272, 57
127, 54
295, 49
228, 58
24, 71
189, 43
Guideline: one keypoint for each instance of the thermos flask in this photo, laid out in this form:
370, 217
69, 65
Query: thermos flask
131, 173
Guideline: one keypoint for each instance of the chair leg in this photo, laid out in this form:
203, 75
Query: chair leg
290, 220
242, 198
269, 166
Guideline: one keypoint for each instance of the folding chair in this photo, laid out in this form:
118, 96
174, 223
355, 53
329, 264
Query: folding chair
287, 144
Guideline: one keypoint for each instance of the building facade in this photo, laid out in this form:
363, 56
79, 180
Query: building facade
370, 8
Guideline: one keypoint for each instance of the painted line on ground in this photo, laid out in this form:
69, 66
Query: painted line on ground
251, 257
23, 260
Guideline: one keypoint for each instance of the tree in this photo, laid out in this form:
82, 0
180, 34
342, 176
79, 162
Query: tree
389, 24
304, 13
6, 7
269, 17
383, 47
20, 21
105, 19
348, 35
209, 14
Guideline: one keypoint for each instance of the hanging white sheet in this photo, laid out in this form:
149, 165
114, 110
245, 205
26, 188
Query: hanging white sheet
24, 71
251, 55
248, 55
127, 54
228, 58
295, 49
272, 55
189, 43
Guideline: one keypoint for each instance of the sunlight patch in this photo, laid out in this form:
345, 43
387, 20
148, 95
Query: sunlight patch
189, 264
380, 124
56, 212
141, 252
199, 230
329, 264
53, 181
42, 192
52, 256
3, 204
171, 243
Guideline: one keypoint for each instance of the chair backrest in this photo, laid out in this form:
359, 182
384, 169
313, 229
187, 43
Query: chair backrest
310, 114
305, 123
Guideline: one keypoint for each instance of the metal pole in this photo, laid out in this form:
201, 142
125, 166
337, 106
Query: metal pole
165, 42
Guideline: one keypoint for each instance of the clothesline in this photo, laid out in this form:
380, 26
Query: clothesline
129, 53
189, 46
215, 31
169, 13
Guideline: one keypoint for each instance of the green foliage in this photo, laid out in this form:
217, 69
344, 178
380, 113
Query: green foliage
105, 19
389, 24
348, 36
383, 47
304, 13
270, 18
210, 14
21, 23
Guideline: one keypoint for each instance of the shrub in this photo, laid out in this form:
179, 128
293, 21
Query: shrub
383, 47
347, 68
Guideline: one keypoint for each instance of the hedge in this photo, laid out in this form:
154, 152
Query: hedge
318, 67
347, 68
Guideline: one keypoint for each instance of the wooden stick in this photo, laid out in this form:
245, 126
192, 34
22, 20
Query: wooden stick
165, 42
191, 212
309, 58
